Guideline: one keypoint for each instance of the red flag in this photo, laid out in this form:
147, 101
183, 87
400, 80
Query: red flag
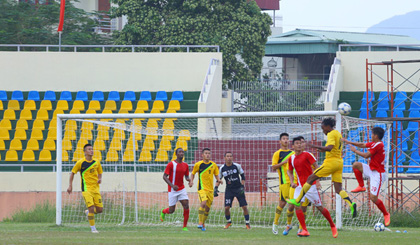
62, 8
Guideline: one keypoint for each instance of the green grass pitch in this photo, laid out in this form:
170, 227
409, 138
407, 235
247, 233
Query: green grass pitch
36, 233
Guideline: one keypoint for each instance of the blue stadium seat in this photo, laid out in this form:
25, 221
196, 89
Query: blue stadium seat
401, 95
371, 96
114, 95
416, 96
66, 95
413, 126
400, 170
130, 95
397, 126
363, 105
381, 113
415, 156
398, 113
33, 95
383, 105
17, 95
50, 95
414, 105
403, 146
383, 96
413, 170
3, 95
98, 95
354, 135
82, 95
363, 114
399, 105
161, 95
146, 95
178, 95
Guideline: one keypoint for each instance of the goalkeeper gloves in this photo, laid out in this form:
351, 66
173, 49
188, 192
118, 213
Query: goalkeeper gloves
216, 191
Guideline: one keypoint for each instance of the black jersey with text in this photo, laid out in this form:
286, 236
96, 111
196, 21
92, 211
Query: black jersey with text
232, 175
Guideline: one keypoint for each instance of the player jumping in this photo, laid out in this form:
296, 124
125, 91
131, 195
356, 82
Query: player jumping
91, 176
302, 163
206, 169
280, 164
332, 165
375, 171
235, 180
174, 173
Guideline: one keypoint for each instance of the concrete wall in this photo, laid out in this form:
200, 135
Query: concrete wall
104, 71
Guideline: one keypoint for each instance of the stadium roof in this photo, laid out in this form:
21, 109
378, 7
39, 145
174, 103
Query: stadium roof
302, 41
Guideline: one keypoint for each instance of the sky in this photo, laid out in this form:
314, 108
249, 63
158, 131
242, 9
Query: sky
353, 15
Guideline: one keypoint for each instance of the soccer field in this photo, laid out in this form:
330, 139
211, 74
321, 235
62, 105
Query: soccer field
25, 233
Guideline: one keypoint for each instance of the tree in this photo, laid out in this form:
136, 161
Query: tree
25, 23
237, 26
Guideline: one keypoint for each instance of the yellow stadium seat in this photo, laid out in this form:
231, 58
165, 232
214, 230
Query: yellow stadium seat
65, 156
155, 110
137, 122
22, 123
70, 135
122, 111
30, 105
152, 123
115, 144
42, 114
86, 134
94, 105
1, 105
126, 105
145, 156
20, 134
70, 125
90, 111
119, 134
39, 124
52, 134
2, 145
6, 124
52, 125
81, 143
171, 111
103, 135
66, 145
165, 144
99, 145
62, 105
168, 134
57, 111
16, 145
148, 145
97, 155
45, 156
106, 111
13, 105
78, 154
110, 105
168, 124
9, 114
128, 156
26, 114
129, 145
102, 127
174, 105
46, 105
28, 156
152, 133
184, 135
4, 134
33, 145
138, 136
181, 144
112, 156
79, 105
142, 105
120, 120
139, 111
161, 156
11, 156
158, 104
49, 144
74, 111
37, 134
87, 125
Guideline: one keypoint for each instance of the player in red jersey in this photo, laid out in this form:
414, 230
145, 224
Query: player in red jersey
173, 176
302, 163
375, 171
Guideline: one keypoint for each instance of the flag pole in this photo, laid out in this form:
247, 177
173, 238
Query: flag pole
61, 22
59, 41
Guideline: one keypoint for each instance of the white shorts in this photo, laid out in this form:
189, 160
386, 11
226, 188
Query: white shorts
312, 195
175, 196
376, 179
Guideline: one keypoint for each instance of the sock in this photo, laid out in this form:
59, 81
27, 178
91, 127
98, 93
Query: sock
301, 218
277, 216
200, 216
289, 217
186, 216
381, 206
206, 215
228, 218
328, 217
91, 218
304, 215
345, 196
359, 177
246, 218
305, 188
165, 211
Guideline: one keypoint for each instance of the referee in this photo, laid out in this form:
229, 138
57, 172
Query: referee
235, 180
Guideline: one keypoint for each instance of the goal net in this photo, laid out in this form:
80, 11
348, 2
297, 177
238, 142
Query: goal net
135, 148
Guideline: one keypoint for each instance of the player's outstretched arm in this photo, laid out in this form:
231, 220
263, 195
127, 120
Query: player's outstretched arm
70, 188
358, 144
322, 148
362, 154
291, 177
191, 183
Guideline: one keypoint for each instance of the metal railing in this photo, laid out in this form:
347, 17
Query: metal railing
206, 79
378, 47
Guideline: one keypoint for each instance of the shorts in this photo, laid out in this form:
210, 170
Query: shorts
207, 196
175, 196
92, 199
376, 179
231, 194
284, 191
312, 195
292, 194
333, 167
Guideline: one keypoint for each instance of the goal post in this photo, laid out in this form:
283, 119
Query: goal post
135, 148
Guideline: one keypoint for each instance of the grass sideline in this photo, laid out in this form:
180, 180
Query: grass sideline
27, 233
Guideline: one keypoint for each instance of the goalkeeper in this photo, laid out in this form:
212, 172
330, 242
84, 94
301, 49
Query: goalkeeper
235, 180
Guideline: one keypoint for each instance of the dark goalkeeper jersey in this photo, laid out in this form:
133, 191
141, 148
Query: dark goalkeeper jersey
232, 175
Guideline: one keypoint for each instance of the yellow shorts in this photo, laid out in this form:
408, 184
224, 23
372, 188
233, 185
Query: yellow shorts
333, 167
92, 199
292, 194
284, 191
207, 196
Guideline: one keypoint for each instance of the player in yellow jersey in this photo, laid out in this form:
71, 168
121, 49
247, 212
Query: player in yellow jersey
91, 176
206, 169
281, 165
332, 165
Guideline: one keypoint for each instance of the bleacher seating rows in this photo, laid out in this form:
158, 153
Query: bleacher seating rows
28, 125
